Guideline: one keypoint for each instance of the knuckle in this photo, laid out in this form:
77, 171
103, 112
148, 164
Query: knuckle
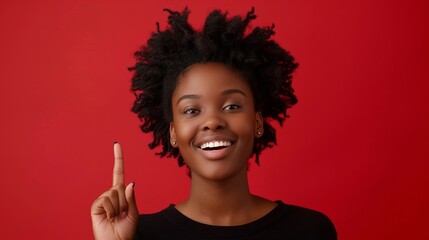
119, 187
104, 199
109, 194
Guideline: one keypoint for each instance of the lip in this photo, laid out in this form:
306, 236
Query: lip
213, 138
218, 153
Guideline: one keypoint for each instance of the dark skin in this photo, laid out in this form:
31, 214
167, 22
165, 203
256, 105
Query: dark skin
214, 126
114, 214
213, 103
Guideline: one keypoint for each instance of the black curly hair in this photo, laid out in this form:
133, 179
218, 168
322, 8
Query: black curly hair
261, 61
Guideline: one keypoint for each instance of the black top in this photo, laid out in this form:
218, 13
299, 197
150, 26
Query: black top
283, 222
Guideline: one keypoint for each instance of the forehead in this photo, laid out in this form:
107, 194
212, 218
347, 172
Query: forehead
210, 78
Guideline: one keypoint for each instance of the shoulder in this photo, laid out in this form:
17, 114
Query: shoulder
284, 221
312, 223
150, 225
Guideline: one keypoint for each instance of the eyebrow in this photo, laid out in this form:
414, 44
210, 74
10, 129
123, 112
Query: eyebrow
188, 96
224, 93
232, 91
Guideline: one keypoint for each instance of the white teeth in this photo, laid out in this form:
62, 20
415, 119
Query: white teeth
215, 144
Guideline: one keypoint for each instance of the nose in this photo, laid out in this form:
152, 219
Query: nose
213, 121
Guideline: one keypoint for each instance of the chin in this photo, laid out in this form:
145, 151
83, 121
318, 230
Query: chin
221, 174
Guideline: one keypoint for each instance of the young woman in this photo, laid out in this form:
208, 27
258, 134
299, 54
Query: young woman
208, 98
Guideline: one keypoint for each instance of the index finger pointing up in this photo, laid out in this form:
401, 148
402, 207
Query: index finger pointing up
118, 168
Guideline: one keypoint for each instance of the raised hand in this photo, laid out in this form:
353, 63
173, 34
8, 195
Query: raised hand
114, 214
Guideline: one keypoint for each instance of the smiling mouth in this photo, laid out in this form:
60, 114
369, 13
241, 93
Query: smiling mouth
215, 145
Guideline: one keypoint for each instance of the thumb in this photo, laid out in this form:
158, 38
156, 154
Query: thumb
133, 212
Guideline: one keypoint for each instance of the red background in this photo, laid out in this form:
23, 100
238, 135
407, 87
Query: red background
356, 146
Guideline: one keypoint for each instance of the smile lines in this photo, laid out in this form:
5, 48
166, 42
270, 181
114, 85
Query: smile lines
215, 144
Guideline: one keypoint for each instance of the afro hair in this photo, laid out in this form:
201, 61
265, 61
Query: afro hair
265, 65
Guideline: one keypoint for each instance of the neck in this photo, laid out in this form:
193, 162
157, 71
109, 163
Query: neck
225, 194
226, 202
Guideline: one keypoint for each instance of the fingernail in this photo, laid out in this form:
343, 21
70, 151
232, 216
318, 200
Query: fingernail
115, 142
134, 183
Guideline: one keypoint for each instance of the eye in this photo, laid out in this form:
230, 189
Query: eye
232, 107
191, 111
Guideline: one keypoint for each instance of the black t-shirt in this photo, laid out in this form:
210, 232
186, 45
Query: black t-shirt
283, 222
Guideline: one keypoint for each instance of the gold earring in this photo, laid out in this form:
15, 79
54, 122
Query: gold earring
173, 142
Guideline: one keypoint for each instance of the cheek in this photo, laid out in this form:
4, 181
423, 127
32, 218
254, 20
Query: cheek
245, 129
245, 124
185, 132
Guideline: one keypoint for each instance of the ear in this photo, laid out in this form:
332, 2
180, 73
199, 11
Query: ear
173, 139
259, 125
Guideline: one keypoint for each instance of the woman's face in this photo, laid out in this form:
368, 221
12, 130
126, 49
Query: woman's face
214, 121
